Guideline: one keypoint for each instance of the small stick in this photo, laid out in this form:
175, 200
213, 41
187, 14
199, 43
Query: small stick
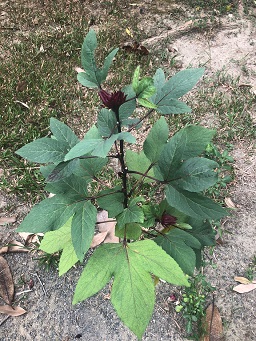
23, 292
2, 322
42, 285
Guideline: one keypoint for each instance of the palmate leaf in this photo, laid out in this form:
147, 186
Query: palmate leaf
63, 133
196, 174
93, 77
140, 163
168, 92
156, 140
186, 143
179, 245
82, 228
44, 150
111, 200
90, 167
74, 188
97, 146
106, 122
49, 214
62, 170
131, 214
193, 204
132, 292
58, 240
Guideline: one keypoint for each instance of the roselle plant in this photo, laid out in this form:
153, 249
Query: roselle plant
163, 220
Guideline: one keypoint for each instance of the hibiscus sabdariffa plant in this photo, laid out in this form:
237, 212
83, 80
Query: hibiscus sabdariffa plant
159, 236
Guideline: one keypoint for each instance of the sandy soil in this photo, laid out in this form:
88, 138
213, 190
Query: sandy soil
50, 315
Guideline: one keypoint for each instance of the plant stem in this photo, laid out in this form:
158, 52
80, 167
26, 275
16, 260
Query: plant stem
124, 169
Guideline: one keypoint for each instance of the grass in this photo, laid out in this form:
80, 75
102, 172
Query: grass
38, 80
40, 47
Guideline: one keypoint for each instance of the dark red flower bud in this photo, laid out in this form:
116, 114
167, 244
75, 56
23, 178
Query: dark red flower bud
167, 219
114, 100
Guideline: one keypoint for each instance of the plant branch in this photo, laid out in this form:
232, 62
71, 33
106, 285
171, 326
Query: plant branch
144, 175
143, 118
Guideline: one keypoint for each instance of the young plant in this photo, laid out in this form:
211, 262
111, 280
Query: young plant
161, 235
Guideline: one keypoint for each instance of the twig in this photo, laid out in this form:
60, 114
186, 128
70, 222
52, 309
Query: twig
5, 319
23, 292
41, 283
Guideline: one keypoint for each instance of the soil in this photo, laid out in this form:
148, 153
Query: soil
50, 314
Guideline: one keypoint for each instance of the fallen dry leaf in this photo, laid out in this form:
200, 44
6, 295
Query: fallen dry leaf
213, 324
242, 280
12, 311
14, 246
229, 203
1, 171
106, 227
6, 282
30, 238
3, 249
7, 220
243, 288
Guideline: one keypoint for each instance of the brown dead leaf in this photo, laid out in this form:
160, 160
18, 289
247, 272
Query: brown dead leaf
106, 227
1, 172
7, 220
3, 249
213, 324
13, 246
6, 282
135, 47
229, 203
30, 238
12, 311
243, 288
242, 280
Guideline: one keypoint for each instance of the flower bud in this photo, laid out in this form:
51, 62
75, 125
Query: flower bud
112, 100
167, 219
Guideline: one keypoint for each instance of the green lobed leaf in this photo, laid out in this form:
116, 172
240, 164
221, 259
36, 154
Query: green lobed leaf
135, 79
88, 59
203, 231
63, 133
44, 150
82, 78
127, 108
131, 231
83, 227
146, 103
90, 167
102, 74
132, 292
49, 214
169, 106
93, 76
179, 245
193, 204
111, 200
179, 84
106, 122
196, 174
62, 170
156, 140
83, 147
131, 214
140, 163
54, 241
74, 188
186, 143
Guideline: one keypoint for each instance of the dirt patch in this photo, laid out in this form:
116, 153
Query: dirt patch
230, 47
